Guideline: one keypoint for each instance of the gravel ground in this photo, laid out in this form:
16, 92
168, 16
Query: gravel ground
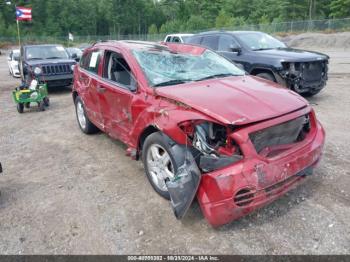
63, 192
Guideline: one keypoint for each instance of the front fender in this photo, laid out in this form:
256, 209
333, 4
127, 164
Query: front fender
165, 117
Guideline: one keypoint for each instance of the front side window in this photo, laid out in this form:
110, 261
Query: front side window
226, 43
45, 52
116, 69
176, 39
260, 41
164, 67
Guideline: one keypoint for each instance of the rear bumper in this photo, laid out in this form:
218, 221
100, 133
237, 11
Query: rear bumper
235, 191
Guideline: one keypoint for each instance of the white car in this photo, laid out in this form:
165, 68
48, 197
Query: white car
177, 38
12, 61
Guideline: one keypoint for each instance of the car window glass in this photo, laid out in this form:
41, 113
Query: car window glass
168, 39
91, 61
45, 52
226, 42
176, 39
195, 40
210, 41
15, 56
116, 69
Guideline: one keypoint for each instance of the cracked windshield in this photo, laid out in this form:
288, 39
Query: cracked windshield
163, 67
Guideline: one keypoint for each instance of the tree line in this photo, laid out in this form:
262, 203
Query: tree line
121, 17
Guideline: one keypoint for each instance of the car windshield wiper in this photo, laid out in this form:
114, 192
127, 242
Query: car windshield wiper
261, 49
216, 76
172, 82
53, 57
36, 58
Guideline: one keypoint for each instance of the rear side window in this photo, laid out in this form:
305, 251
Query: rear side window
210, 41
90, 61
195, 40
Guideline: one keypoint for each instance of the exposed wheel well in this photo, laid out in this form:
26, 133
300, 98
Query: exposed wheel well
256, 71
74, 95
149, 130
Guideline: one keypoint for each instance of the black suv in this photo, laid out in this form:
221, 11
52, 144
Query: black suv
49, 63
262, 55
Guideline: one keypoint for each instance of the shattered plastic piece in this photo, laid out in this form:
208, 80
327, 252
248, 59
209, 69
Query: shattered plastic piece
183, 187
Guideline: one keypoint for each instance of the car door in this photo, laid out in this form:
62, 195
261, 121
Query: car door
117, 88
88, 81
210, 41
228, 46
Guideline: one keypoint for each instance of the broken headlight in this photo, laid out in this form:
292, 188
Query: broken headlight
211, 141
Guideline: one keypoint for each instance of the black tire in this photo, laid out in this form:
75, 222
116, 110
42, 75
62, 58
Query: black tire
27, 105
46, 101
41, 106
267, 76
177, 154
89, 127
20, 108
311, 93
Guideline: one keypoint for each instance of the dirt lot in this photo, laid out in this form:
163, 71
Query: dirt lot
63, 192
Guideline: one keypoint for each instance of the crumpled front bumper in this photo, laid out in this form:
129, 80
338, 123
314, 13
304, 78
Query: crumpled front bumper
255, 181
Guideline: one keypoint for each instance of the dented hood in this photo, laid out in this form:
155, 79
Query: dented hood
236, 100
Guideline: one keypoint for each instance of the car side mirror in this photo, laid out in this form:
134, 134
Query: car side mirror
74, 56
235, 49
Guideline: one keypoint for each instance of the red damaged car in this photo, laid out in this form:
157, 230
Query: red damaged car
201, 126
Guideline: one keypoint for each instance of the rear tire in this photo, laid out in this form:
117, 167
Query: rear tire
46, 101
41, 106
20, 108
83, 121
267, 76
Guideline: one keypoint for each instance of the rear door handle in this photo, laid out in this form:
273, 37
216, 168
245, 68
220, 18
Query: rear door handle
100, 89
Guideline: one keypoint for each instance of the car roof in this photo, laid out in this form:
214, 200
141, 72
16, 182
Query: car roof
129, 44
42, 45
227, 32
185, 34
139, 45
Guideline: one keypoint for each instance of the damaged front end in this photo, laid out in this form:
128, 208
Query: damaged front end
209, 148
305, 77
241, 168
212, 145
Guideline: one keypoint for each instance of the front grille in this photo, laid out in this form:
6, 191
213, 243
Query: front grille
312, 71
282, 134
57, 69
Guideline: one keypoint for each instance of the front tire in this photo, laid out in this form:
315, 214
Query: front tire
162, 158
84, 123
20, 108
311, 93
